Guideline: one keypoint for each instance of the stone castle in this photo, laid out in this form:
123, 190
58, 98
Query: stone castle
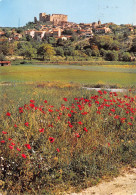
54, 18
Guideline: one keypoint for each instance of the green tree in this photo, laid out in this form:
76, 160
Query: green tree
59, 51
26, 50
125, 56
88, 52
2, 57
111, 55
46, 51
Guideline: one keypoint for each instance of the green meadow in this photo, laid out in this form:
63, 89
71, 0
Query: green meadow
120, 76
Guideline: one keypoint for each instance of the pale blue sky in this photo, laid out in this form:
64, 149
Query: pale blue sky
87, 11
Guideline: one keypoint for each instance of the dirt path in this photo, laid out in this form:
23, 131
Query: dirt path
125, 184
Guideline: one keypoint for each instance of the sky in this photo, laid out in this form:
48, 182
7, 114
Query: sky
16, 13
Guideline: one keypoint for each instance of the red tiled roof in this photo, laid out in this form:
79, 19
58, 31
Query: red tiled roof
5, 62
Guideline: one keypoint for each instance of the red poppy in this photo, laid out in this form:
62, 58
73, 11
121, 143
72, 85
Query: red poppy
70, 125
9, 139
80, 123
41, 130
11, 147
12, 144
65, 99
130, 123
15, 125
50, 110
51, 139
108, 144
32, 105
26, 124
77, 135
8, 114
23, 155
32, 101
69, 115
4, 132
85, 129
116, 117
58, 150
28, 146
45, 101
18, 149
2, 141
98, 112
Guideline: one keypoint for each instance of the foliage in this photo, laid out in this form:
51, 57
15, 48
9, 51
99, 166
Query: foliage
26, 50
46, 51
111, 55
2, 57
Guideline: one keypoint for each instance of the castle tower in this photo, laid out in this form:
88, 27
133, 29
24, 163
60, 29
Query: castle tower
42, 17
35, 20
99, 22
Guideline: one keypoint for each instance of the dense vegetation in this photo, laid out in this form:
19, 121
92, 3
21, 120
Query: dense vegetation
120, 45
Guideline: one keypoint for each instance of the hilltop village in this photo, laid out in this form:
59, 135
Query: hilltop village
69, 40
56, 25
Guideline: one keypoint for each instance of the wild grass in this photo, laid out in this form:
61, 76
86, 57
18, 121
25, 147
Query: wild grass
83, 75
56, 136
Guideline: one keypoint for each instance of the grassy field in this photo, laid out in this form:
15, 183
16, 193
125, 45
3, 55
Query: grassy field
122, 77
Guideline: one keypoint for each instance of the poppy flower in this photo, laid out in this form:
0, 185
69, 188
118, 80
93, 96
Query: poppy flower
85, 129
45, 101
108, 144
9, 139
2, 141
8, 114
51, 139
130, 123
26, 124
41, 130
15, 125
18, 149
28, 146
23, 155
77, 135
32, 105
98, 112
69, 115
80, 123
70, 125
32, 101
4, 132
58, 150
12, 144
50, 110
116, 117
65, 99
11, 147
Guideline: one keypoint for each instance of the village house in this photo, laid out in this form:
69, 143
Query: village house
57, 33
103, 30
5, 63
39, 35
2, 33
30, 32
